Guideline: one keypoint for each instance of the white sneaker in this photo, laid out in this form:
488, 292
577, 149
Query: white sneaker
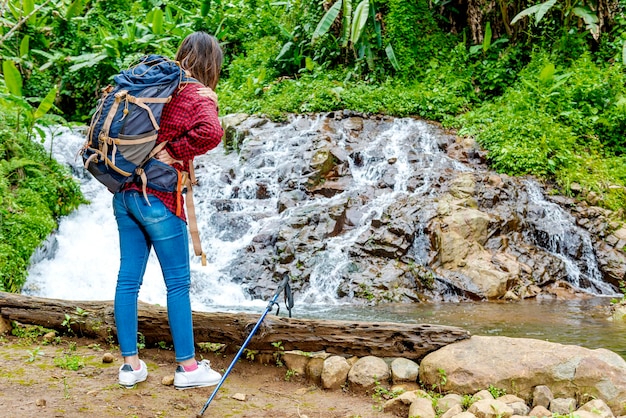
129, 377
202, 376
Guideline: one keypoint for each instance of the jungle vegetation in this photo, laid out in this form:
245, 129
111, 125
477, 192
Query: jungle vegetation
540, 85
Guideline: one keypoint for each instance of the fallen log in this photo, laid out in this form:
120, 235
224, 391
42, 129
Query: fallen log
94, 319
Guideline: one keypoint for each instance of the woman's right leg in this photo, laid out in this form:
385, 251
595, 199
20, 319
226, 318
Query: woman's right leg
134, 252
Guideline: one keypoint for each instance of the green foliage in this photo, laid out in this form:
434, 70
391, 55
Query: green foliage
69, 362
443, 380
34, 354
417, 39
560, 123
29, 332
34, 191
496, 392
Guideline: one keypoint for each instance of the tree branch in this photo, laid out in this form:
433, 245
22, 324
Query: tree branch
21, 22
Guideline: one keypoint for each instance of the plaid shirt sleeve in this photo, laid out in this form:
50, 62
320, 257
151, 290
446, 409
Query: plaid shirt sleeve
191, 126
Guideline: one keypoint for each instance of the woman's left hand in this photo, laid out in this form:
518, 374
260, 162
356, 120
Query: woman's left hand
208, 92
166, 158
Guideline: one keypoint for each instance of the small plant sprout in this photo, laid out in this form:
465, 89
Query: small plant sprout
34, 354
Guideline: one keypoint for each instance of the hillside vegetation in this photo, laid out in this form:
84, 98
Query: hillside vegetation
541, 86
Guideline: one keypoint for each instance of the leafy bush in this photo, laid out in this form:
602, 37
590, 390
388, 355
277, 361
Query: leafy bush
562, 124
35, 191
415, 35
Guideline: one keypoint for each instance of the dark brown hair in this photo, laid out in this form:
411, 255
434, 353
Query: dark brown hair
200, 54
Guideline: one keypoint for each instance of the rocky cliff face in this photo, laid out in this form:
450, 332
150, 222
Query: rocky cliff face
376, 209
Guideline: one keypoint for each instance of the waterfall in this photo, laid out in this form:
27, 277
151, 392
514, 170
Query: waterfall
555, 231
238, 202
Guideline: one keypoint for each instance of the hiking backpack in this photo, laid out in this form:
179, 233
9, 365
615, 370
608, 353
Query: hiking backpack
122, 134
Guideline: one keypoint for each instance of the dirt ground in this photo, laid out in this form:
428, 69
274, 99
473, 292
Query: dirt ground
33, 383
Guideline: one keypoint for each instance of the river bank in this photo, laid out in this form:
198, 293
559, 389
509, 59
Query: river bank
32, 383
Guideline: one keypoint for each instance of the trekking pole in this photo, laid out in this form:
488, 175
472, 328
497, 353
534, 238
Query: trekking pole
284, 285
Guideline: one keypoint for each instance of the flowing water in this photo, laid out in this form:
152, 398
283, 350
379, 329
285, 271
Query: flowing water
80, 260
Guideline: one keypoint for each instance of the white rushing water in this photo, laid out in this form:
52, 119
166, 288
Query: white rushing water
568, 242
80, 261
237, 201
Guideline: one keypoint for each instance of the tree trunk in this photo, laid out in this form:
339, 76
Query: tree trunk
94, 319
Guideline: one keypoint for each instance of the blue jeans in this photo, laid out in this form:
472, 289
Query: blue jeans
142, 226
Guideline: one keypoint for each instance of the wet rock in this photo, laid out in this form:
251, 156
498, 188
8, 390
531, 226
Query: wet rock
486, 235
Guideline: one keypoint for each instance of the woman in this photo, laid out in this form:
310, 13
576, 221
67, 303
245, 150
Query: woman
191, 127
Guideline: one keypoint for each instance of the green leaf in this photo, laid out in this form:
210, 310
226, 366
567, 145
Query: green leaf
475, 49
360, 19
392, 57
378, 30
204, 9
543, 9
74, 9
346, 22
157, 21
487, 38
624, 52
324, 25
590, 19
12, 78
87, 60
309, 63
284, 50
27, 7
539, 10
46, 104
24, 46
547, 73
18, 100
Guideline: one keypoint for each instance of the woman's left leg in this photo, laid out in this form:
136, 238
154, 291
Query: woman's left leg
171, 245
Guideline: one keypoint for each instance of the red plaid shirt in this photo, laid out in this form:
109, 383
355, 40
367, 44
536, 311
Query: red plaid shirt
190, 124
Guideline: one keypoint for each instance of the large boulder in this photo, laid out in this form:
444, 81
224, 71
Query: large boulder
518, 365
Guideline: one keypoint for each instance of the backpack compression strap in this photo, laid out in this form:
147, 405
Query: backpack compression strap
191, 214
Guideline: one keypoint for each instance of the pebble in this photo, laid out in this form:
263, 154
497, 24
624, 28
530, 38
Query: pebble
239, 396
108, 358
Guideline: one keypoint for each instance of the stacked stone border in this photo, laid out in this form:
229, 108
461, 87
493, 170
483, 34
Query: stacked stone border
394, 382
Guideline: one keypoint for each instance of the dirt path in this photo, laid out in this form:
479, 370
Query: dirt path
33, 384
